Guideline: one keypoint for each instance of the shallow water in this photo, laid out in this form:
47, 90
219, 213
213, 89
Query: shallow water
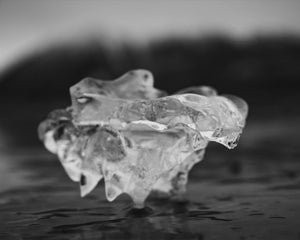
251, 192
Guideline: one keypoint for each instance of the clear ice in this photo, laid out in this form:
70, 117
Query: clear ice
136, 137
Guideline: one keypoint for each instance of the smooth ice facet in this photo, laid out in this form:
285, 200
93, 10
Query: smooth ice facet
137, 138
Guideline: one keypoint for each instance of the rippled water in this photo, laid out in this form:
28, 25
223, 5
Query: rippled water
252, 192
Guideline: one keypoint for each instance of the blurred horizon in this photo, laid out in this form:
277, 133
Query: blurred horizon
28, 26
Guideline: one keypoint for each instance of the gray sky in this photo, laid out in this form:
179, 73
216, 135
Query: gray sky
28, 25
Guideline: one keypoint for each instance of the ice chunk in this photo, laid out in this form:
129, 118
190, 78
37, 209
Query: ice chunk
137, 138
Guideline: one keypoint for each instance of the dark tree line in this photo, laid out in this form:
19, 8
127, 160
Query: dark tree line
251, 68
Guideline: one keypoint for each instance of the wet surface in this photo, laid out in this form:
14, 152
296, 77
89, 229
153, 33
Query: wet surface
251, 192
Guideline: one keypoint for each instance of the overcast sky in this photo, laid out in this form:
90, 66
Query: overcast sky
26, 25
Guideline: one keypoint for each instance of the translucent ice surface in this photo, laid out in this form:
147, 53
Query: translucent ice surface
136, 137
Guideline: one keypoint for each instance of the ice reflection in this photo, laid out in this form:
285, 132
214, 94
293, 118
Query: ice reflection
166, 221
